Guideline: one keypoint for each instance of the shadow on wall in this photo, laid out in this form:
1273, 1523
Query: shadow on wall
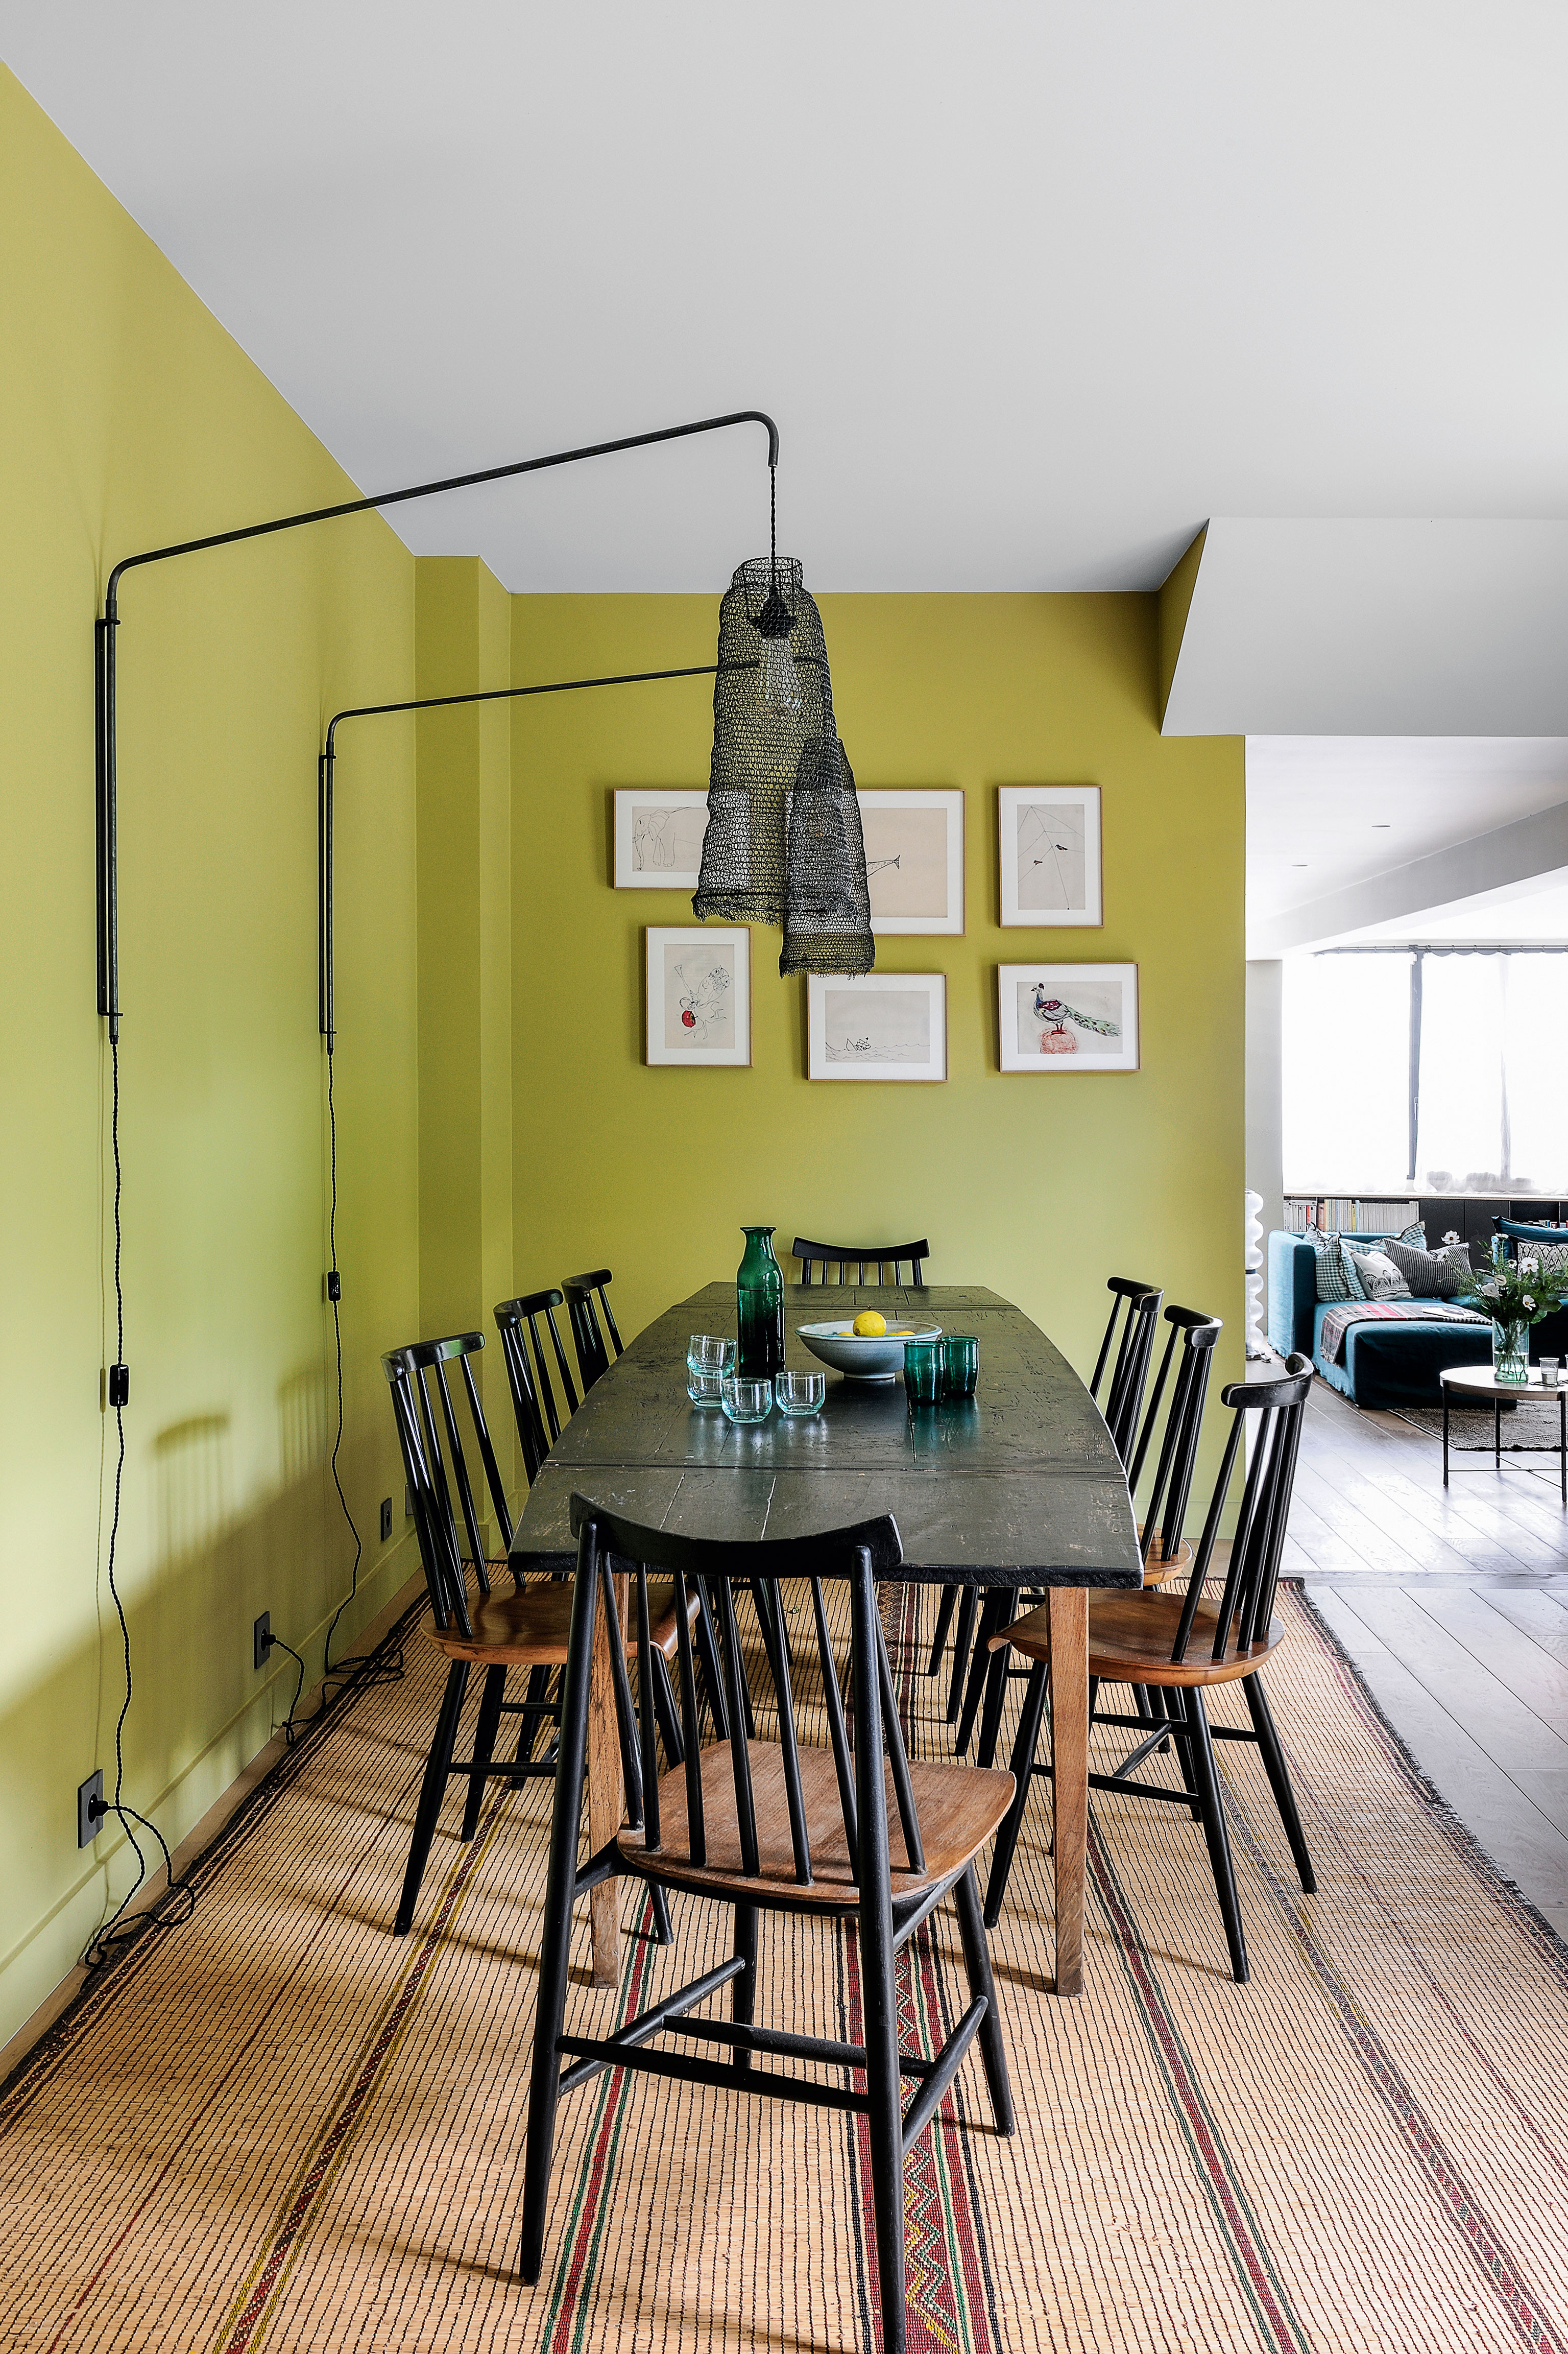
191, 1616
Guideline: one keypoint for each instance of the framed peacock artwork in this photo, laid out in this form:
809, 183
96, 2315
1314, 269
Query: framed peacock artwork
1068, 1017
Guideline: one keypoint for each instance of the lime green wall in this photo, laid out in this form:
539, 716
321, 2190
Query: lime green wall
128, 417
1038, 1186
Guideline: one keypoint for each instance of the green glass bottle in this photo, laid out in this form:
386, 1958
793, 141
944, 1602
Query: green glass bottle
760, 1306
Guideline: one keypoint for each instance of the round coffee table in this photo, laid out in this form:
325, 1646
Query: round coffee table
1478, 1382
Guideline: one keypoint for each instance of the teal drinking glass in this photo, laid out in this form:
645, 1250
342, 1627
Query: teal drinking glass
799, 1393
960, 1364
708, 1355
922, 1371
745, 1398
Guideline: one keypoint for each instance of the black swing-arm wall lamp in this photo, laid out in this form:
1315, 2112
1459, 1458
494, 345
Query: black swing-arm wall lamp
104, 637
328, 760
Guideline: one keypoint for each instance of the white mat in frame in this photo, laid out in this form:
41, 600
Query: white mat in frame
699, 994
876, 1026
659, 838
914, 858
1049, 843
1067, 1017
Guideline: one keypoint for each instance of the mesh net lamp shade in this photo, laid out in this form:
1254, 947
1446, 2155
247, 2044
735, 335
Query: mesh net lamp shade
783, 842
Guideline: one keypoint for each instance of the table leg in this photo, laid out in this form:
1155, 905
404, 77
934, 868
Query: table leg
1069, 1622
1497, 1433
1444, 1434
605, 1794
1563, 1442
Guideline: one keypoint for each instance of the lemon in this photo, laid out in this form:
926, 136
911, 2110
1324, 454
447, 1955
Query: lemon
869, 1325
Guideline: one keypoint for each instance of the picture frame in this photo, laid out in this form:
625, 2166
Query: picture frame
876, 1026
659, 838
698, 991
914, 858
1070, 1002
1050, 860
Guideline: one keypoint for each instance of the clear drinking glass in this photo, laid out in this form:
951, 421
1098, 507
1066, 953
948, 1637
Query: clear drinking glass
922, 1371
1550, 1369
745, 1397
799, 1393
960, 1364
709, 1356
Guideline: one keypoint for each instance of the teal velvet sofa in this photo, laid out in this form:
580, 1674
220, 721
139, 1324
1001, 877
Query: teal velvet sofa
1384, 1364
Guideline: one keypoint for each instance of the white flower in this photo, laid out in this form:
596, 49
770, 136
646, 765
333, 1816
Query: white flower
1490, 1287
1452, 1235
1528, 1304
1530, 1266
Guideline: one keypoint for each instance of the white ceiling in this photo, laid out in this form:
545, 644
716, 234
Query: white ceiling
1325, 812
1033, 288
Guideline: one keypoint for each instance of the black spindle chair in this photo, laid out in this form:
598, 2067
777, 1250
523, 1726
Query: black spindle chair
1137, 1306
581, 1291
533, 1394
1185, 1643
772, 1825
527, 1627
860, 1256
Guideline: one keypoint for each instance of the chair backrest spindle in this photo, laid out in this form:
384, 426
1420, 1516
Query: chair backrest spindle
1252, 1577
580, 1292
1123, 1400
407, 1372
853, 1557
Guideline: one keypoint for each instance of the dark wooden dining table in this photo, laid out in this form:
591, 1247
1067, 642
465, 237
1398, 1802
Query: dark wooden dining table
1019, 1487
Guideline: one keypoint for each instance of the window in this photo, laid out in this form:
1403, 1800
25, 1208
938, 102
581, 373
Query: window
1485, 1027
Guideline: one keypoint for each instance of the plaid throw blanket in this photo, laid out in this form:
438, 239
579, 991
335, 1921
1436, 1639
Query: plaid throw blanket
1338, 1320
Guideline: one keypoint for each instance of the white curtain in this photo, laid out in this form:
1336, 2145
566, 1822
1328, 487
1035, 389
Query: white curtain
1346, 1074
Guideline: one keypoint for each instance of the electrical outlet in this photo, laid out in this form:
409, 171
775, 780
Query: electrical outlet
386, 1517
408, 1502
261, 1637
90, 1808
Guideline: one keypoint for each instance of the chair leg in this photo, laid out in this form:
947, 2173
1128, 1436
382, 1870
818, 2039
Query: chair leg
944, 1620
990, 1619
431, 1792
484, 1732
560, 1887
977, 1962
1023, 1773
969, 1604
996, 1690
535, 1692
1214, 1831
743, 1996
1274, 1765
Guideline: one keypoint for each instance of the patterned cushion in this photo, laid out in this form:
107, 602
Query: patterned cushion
1381, 1280
1334, 1274
1553, 1257
1413, 1237
1431, 1275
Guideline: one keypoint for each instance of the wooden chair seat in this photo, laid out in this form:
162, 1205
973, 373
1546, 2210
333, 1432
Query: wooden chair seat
1157, 1572
958, 1808
1131, 1637
531, 1629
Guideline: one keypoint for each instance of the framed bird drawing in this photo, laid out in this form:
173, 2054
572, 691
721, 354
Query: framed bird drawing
1067, 1017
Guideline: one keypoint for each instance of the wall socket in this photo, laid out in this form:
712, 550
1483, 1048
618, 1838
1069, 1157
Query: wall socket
261, 1640
386, 1517
89, 1809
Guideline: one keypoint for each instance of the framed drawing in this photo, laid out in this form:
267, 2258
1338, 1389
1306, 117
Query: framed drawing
1068, 1017
659, 839
1050, 839
699, 994
876, 1026
914, 860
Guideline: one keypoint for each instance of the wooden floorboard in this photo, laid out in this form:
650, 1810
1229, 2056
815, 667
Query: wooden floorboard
1453, 1604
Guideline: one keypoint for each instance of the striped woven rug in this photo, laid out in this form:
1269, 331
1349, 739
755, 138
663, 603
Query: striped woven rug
280, 2128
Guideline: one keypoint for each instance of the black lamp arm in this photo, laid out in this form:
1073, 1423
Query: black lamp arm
325, 827
104, 629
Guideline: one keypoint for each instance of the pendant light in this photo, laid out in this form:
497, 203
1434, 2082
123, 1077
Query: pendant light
783, 844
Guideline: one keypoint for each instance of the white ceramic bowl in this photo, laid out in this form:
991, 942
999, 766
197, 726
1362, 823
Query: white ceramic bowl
871, 1358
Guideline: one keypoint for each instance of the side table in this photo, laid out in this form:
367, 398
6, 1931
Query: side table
1478, 1382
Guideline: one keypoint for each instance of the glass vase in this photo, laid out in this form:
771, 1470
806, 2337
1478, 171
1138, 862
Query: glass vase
1511, 1349
760, 1306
